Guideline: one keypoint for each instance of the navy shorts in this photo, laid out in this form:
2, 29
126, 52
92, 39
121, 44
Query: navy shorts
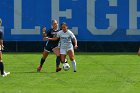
49, 47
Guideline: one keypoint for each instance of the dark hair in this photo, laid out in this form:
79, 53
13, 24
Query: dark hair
63, 23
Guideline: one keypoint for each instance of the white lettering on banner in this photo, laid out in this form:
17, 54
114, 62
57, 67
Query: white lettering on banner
91, 19
133, 15
18, 22
56, 14
91, 26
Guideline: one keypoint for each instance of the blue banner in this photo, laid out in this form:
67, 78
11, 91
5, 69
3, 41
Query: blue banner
90, 20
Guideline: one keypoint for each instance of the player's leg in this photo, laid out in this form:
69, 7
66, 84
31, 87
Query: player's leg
3, 73
57, 53
71, 56
63, 57
1, 64
44, 56
139, 52
63, 53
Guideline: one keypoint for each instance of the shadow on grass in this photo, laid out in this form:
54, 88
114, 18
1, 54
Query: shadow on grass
106, 53
33, 72
79, 53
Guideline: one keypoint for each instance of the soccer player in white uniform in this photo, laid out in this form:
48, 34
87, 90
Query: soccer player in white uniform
3, 73
66, 47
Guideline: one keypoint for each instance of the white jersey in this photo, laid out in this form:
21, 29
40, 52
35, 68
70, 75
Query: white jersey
65, 39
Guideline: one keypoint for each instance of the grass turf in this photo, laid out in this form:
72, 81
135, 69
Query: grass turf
96, 73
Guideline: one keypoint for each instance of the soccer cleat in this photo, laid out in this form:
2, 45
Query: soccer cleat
5, 74
66, 60
39, 69
75, 71
58, 69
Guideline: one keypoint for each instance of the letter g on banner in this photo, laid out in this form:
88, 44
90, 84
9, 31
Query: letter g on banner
91, 19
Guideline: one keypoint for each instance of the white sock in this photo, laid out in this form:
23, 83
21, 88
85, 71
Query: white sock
74, 65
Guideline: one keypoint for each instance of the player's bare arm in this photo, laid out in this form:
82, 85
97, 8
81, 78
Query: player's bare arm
75, 43
44, 34
1, 44
53, 39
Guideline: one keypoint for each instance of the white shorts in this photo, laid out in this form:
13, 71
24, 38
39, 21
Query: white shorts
65, 50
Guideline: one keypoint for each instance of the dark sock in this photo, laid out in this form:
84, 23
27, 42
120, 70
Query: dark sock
2, 68
42, 62
57, 61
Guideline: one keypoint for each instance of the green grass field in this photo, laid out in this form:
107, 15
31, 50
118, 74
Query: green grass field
96, 73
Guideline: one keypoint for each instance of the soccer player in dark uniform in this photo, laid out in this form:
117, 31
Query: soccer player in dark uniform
3, 73
66, 47
51, 46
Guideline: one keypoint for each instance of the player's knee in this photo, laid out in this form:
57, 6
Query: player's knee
44, 56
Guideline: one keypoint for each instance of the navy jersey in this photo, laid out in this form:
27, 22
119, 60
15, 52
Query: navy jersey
1, 34
52, 34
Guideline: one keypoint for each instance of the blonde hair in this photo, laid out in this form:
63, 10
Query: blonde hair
54, 21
